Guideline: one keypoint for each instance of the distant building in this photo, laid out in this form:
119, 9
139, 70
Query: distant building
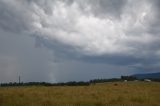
125, 80
147, 80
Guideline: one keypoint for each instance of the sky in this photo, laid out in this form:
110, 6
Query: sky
78, 40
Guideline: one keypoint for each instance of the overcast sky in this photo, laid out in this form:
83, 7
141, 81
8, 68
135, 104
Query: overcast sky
66, 40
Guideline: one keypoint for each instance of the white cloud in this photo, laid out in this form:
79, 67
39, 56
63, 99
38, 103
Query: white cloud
88, 33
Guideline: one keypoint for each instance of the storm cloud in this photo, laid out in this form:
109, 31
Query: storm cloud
78, 40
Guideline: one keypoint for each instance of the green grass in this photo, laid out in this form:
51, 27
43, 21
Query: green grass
104, 94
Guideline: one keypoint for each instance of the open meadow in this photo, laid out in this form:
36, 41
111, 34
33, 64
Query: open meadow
102, 94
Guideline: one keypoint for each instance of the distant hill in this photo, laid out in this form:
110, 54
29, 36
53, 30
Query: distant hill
147, 75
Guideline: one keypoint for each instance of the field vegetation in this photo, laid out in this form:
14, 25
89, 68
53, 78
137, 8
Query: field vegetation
129, 93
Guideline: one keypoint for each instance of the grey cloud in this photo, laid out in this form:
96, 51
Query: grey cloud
74, 36
46, 5
147, 67
19, 19
12, 18
18, 56
101, 8
155, 23
77, 70
108, 7
146, 55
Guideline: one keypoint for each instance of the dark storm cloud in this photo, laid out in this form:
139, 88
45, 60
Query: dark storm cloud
155, 25
12, 18
71, 34
108, 7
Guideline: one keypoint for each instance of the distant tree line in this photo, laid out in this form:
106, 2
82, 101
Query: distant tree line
128, 78
105, 80
74, 83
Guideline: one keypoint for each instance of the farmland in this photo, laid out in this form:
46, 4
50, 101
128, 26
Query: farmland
101, 94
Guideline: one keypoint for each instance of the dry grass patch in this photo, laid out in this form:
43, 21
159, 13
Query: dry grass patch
104, 94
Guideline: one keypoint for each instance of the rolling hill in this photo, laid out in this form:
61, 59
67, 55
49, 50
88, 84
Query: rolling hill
147, 75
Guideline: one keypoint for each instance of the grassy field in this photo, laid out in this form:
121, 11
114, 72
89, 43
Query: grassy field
105, 94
